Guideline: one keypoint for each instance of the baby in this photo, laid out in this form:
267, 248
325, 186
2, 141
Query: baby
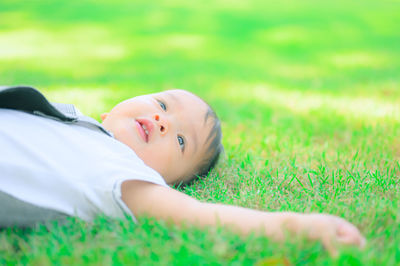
55, 166
174, 132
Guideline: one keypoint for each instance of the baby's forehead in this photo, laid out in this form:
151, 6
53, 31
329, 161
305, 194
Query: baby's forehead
186, 99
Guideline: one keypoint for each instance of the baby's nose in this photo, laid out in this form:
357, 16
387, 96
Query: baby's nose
162, 123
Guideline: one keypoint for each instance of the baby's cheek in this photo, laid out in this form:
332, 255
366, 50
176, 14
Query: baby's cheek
126, 134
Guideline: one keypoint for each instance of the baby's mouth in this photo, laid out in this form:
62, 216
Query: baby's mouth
144, 128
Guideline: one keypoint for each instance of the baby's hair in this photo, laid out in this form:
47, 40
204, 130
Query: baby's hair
213, 150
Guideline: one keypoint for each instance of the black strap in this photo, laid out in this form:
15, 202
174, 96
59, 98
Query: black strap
29, 99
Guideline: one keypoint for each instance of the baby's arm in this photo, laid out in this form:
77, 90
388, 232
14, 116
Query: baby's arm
144, 198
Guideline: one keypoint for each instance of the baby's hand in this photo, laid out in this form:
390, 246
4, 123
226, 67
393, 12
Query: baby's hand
331, 230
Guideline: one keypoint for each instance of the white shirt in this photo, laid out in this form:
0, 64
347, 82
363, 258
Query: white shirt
66, 167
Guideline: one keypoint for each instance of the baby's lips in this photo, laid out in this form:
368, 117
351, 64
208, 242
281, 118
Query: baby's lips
141, 132
149, 126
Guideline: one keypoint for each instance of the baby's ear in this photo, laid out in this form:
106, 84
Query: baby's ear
103, 116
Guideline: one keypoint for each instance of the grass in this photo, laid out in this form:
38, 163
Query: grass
308, 92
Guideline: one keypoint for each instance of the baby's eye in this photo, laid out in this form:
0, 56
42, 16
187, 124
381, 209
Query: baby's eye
163, 105
181, 142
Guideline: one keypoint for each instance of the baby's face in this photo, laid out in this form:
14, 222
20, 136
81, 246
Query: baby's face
167, 130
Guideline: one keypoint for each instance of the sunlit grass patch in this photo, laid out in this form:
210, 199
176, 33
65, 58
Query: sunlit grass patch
357, 59
286, 34
296, 71
68, 43
183, 41
364, 108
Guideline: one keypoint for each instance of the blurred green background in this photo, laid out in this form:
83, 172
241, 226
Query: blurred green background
308, 92
210, 47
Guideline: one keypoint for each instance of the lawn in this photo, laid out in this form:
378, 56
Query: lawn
308, 92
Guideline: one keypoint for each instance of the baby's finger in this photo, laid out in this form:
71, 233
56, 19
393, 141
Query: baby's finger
329, 245
348, 234
352, 240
